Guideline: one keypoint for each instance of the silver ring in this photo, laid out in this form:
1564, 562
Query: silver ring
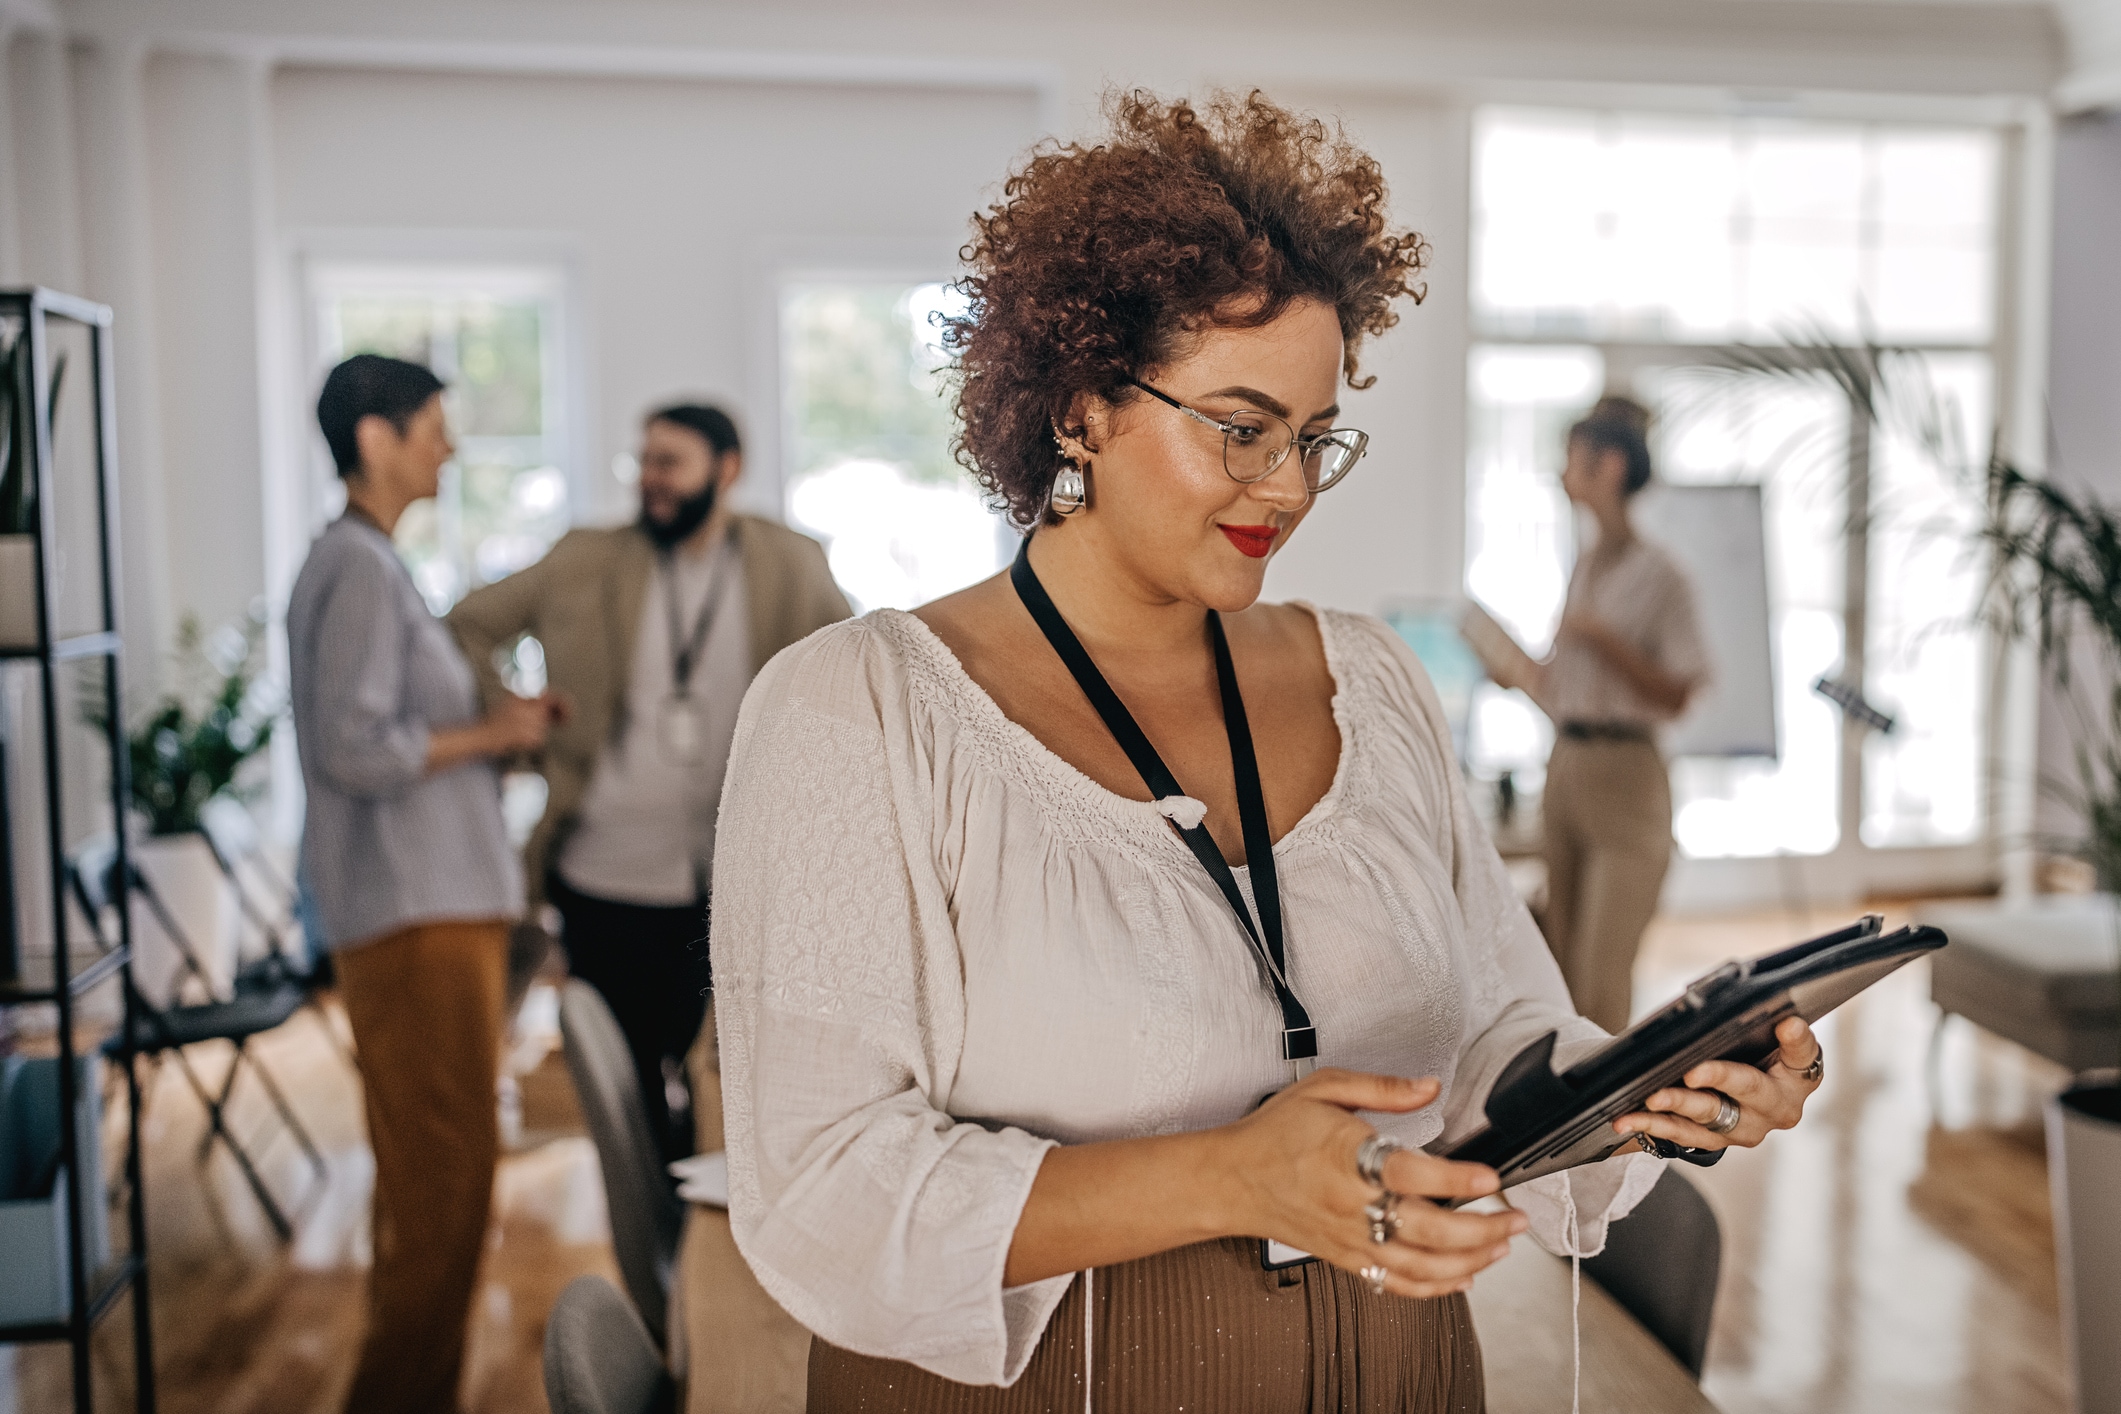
1383, 1216
1727, 1115
1812, 1073
1370, 1158
1375, 1276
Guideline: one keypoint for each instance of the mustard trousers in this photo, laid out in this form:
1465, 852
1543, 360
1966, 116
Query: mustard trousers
426, 1005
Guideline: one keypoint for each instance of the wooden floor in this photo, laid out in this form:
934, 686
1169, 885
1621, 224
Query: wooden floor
245, 1325
1894, 1252
1885, 1257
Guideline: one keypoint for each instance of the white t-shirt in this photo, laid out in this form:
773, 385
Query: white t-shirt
940, 949
646, 830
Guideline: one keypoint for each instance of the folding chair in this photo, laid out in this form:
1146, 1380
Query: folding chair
238, 849
160, 1032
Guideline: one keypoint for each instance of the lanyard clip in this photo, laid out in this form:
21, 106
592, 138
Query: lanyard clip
1300, 1044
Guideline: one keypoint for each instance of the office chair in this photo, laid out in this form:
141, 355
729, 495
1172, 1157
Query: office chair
646, 1216
1661, 1262
160, 1032
599, 1358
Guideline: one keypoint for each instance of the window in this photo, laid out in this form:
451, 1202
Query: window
868, 437
1617, 252
492, 335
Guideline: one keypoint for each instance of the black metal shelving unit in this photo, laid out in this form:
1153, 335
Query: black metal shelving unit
93, 1294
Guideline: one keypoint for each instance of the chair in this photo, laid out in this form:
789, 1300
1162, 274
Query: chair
240, 852
1661, 1262
646, 1216
599, 1358
159, 1032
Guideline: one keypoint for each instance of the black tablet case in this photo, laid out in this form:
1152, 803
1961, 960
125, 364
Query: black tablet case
1540, 1122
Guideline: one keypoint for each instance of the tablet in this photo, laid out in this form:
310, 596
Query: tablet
1540, 1122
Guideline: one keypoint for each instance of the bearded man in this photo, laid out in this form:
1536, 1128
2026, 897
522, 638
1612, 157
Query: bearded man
652, 631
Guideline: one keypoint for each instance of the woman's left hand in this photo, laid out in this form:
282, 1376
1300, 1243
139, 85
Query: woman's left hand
1767, 1100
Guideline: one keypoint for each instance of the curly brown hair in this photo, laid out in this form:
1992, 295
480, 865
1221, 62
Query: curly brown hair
1099, 261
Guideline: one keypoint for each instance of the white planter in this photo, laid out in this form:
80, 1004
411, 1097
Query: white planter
18, 592
2084, 1169
201, 901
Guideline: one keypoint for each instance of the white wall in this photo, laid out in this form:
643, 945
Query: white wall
675, 204
204, 252
2084, 376
1395, 529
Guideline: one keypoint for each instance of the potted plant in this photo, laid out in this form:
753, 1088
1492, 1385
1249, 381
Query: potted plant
189, 749
2057, 575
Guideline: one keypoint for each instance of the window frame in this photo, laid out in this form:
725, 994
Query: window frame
1853, 868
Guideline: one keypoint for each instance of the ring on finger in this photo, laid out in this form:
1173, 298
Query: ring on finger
1370, 1158
1375, 1276
1384, 1217
1727, 1114
1811, 1074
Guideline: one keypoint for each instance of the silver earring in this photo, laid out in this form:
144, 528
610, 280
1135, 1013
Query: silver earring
1069, 493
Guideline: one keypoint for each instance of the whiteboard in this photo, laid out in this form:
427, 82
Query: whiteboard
1716, 535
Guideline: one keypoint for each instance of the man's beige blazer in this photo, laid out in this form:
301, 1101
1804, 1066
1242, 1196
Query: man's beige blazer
583, 603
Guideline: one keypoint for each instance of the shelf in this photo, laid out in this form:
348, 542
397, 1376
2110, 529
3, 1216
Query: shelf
22, 300
67, 650
117, 1280
17, 994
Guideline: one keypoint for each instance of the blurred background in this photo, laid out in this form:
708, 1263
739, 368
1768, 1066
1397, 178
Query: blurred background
577, 209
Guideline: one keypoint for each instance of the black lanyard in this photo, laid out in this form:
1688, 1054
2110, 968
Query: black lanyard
1299, 1039
685, 653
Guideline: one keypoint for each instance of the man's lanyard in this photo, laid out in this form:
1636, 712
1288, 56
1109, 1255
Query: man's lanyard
685, 652
1299, 1039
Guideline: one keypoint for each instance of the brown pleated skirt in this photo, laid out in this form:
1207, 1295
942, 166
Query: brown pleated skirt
1203, 1328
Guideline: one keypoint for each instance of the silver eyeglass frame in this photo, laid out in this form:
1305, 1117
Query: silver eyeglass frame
1357, 449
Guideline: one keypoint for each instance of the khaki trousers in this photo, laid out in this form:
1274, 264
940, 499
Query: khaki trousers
426, 1005
1608, 826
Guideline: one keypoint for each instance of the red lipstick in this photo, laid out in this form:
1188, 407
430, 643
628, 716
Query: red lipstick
1254, 540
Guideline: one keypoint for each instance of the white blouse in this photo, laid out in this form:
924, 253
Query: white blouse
939, 950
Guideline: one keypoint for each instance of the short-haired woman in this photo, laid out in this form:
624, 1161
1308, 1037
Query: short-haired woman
1627, 659
410, 871
1035, 908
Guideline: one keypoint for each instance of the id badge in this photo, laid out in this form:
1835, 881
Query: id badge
682, 730
1279, 1256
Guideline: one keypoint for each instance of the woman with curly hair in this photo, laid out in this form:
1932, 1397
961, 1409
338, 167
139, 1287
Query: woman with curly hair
1038, 909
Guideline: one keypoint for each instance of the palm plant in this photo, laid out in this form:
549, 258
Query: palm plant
2056, 574
2053, 565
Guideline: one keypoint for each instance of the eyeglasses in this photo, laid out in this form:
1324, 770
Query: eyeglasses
1255, 443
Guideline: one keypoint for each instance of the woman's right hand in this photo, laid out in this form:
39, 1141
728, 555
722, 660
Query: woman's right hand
1292, 1164
517, 725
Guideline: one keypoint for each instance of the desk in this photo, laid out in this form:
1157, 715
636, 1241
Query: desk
1521, 1308
748, 1355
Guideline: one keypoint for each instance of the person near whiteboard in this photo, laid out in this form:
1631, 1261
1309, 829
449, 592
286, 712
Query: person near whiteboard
1628, 657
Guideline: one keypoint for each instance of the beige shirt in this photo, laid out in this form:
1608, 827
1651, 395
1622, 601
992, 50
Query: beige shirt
940, 949
646, 833
1642, 595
